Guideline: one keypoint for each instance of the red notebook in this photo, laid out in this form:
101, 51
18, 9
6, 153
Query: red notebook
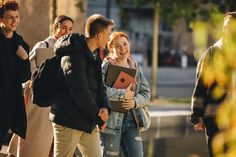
123, 80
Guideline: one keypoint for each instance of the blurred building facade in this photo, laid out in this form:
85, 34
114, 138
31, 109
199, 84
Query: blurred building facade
36, 17
174, 41
35, 20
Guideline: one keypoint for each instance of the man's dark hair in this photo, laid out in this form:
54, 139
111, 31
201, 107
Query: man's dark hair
8, 5
96, 24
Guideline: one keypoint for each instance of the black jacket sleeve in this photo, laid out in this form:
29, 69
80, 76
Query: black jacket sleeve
23, 66
74, 69
199, 95
103, 100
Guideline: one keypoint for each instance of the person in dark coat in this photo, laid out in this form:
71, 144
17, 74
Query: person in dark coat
81, 105
14, 69
204, 101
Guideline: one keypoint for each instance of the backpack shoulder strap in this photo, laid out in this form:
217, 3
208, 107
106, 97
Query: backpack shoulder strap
47, 45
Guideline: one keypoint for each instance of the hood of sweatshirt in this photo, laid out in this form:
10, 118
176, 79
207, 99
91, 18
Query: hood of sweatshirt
72, 43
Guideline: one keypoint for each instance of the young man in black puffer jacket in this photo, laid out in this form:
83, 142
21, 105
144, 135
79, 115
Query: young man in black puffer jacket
14, 69
81, 103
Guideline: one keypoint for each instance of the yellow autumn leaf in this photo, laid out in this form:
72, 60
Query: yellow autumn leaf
218, 141
218, 92
221, 79
208, 76
223, 116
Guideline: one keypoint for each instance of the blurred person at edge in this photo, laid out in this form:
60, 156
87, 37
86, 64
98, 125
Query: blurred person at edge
38, 118
81, 106
14, 69
122, 131
204, 104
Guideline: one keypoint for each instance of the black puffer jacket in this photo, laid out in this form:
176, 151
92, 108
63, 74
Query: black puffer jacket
81, 90
14, 71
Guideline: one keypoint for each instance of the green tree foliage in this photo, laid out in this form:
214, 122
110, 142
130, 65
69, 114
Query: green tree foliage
173, 10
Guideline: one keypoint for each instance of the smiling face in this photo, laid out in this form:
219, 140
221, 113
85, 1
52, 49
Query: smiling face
64, 28
120, 46
10, 21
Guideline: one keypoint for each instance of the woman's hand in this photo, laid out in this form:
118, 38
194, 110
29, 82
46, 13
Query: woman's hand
28, 84
27, 88
128, 104
129, 94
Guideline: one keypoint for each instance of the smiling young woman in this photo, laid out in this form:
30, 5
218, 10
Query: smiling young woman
123, 129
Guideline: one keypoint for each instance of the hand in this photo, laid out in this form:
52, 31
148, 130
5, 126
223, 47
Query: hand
128, 104
129, 94
199, 127
102, 128
28, 84
27, 88
103, 113
21, 53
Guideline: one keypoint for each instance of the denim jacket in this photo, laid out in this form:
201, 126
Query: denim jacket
142, 99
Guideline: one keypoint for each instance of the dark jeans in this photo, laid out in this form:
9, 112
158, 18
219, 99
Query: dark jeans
129, 140
211, 131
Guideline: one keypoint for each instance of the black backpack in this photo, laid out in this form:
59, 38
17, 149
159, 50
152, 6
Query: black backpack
45, 82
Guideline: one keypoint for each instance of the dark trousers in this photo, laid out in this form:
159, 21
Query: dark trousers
211, 131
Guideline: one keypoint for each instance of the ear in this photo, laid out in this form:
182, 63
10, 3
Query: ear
99, 35
110, 48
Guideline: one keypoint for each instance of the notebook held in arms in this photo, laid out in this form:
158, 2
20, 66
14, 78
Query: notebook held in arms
120, 78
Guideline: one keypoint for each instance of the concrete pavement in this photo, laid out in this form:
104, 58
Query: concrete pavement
173, 82
170, 132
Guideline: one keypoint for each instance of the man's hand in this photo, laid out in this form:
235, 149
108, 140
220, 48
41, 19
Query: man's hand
199, 127
102, 128
103, 113
21, 53
128, 104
